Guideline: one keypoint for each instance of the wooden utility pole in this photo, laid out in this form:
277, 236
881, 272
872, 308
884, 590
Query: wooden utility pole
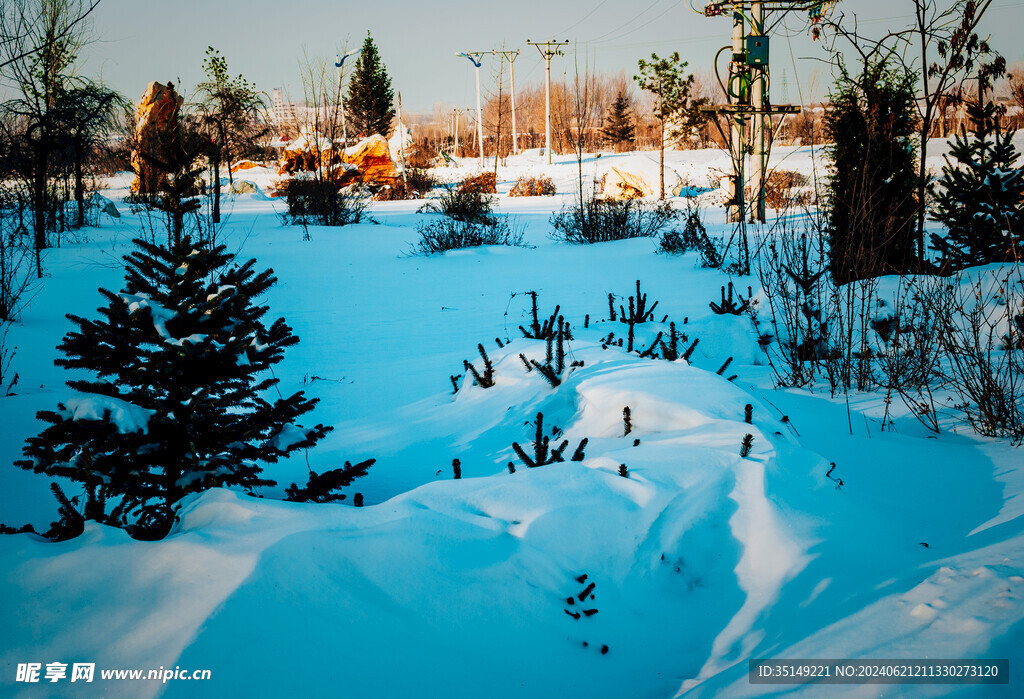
511, 57
550, 50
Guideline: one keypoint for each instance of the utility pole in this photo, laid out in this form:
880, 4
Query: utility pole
747, 94
456, 114
340, 65
474, 58
550, 50
401, 136
511, 56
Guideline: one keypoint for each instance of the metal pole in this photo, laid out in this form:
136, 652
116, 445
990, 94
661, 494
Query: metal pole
457, 113
340, 65
479, 117
512, 71
474, 58
547, 108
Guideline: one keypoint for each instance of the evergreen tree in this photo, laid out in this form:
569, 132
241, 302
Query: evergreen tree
872, 182
370, 103
618, 123
676, 110
178, 402
980, 198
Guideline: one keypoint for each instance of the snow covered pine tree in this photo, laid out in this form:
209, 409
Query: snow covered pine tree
980, 197
177, 404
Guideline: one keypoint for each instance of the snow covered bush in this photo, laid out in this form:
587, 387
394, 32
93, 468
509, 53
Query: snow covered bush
602, 220
178, 403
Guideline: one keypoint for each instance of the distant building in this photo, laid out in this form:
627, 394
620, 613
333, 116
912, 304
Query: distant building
283, 112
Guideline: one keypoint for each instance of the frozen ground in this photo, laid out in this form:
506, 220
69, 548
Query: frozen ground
701, 559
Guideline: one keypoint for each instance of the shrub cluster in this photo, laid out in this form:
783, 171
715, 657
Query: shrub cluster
322, 203
443, 234
468, 206
533, 187
601, 220
414, 185
778, 189
484, 183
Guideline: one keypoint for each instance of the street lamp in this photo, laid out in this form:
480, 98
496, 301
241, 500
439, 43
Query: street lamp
340, 66
474, 58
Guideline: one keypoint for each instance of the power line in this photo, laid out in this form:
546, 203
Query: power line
585, 18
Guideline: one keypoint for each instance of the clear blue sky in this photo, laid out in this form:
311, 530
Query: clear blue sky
137, 41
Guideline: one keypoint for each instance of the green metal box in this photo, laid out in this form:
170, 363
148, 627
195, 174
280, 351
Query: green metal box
756, 50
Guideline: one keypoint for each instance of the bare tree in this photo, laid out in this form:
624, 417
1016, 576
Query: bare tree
39, 42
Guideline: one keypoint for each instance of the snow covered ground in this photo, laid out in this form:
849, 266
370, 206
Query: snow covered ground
700, 560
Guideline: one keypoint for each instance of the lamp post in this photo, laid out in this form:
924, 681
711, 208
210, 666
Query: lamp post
474, 58
341, 102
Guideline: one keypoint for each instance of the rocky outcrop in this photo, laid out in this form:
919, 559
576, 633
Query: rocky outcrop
308, 152
372, 157
368, 162
157, 115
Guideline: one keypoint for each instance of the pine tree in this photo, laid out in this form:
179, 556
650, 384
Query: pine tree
872, 183
370, 103
676, 109
980, 196
618, 124
178, 404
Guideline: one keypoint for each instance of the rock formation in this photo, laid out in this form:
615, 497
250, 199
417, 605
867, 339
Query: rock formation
154, 133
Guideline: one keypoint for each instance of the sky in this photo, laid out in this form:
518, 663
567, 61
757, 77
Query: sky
138, 41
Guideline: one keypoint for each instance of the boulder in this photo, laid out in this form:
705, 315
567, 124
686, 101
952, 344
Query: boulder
156, 116
368, 162
637, 176
372, 157
244, 165
244, 187
307, 153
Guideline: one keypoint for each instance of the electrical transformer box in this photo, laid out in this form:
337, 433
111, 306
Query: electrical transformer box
756, 49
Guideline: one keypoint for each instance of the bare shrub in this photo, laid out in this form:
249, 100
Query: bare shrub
533, 187
976, 332
443, 234
466, 205
413, 185
910, 358
693, 237
779, 189
484, 183
321, 202
791, 268
602, 220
